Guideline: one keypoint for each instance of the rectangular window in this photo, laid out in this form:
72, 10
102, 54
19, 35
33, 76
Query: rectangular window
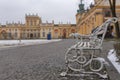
107, 14
49, 29
9, 35
43, 34
28, 35
39, 35
23, 35
15, 35
31, 23
35, 35
15, 29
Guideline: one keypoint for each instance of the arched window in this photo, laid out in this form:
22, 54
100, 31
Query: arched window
73, 31
64, 33
56, 31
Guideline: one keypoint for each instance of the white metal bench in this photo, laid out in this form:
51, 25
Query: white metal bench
80, 58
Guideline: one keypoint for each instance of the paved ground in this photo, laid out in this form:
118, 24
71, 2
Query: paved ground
38, 62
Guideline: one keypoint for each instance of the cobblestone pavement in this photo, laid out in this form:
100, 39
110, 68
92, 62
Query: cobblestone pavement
37, 62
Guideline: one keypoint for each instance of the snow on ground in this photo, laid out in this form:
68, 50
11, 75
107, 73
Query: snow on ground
25, 42
112, 57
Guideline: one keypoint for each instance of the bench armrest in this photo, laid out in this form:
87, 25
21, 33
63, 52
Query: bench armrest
79, 36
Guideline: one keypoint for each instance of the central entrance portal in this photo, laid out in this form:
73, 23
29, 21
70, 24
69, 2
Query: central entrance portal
64, 33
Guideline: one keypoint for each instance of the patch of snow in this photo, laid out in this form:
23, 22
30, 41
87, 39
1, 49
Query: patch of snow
103, 60
25, 42
112, 57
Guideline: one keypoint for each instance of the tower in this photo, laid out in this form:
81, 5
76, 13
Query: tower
33, 20
81, 7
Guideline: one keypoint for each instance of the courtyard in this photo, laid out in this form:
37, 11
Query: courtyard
43, 61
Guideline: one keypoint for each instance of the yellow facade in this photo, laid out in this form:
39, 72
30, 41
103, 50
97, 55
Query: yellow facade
86, 21
35, 29
95, 16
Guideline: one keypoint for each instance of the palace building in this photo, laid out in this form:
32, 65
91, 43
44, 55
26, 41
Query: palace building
99, 12
35, 29
86, 21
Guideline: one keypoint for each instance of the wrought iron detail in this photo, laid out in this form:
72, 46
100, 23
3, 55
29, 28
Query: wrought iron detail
81, 58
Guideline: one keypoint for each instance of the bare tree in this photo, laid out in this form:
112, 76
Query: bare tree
113, 10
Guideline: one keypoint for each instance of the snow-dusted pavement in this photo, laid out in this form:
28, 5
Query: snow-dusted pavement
113, 59
35, 62
7, 43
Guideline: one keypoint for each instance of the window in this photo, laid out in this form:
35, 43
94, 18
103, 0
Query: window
38, 34
15, 29
28, 35
49, 29
35, 35
43, 29
31, 23
9, 35
27, 22
35, 23
43, 34
107, 12
73, 31
118, 14
15, 35
9, 29
23, 35
56, 31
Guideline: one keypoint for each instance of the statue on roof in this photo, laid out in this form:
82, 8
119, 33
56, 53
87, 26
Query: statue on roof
81, 7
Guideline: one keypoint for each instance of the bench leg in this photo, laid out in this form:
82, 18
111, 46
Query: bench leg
82, 63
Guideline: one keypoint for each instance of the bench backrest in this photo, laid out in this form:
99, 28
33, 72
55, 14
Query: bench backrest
101, 30
93, 37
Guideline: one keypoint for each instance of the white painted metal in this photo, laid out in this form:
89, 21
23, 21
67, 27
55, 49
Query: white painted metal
84, 48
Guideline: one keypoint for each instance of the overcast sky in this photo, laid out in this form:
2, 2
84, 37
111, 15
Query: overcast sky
57, 10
